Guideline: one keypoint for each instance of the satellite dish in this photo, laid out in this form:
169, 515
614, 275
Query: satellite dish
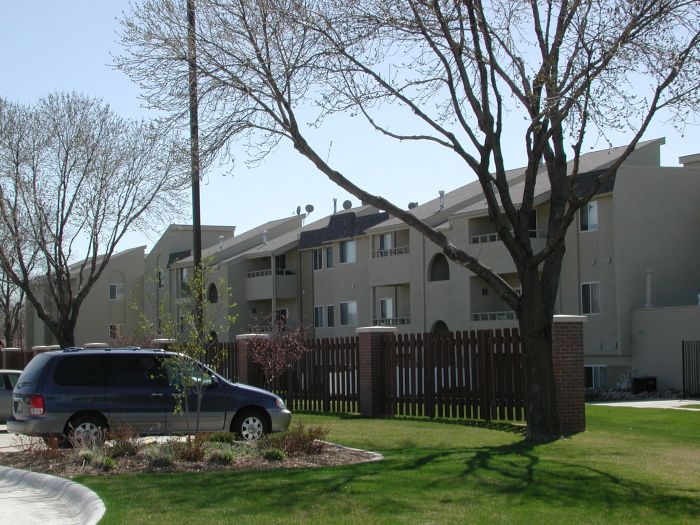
347, 205
298, 210
412, 205
309, 208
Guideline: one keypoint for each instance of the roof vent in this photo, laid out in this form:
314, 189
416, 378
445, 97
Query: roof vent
412, 205
221, 242
264, 237
442, 198
335, 205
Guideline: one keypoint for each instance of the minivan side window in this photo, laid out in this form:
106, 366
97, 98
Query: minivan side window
80, 370
137, 370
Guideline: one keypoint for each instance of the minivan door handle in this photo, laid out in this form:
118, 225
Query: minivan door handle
157, 394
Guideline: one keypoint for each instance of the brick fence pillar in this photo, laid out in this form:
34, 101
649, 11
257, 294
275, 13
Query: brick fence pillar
567, 357
373, 371
15, 358
244, 361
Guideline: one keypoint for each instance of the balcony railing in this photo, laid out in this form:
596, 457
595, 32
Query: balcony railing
508, 315
494, 237
263, 273
391, 251
391, 321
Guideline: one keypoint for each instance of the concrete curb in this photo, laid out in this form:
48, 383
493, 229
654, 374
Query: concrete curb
374, 456
87, 506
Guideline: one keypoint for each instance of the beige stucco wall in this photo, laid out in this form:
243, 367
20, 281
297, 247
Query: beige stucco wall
657, 334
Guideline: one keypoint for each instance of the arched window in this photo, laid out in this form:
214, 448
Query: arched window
440, 328
213, 294
439, 269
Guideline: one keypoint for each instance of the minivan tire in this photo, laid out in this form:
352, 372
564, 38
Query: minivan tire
92, 428
250, 425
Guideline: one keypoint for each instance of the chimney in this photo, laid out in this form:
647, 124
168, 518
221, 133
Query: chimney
442, 198
221, 242
335, 205
264, 237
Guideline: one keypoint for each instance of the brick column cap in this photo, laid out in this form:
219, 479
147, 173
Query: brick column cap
245, 337
570, 318
11, 349
376, 330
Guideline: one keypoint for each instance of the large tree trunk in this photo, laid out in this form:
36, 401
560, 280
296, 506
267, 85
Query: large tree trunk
535, 319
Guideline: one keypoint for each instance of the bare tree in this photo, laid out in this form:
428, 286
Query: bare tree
11, 310
74, 178
472, 75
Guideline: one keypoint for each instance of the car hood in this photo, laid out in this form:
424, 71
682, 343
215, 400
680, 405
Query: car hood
251, 389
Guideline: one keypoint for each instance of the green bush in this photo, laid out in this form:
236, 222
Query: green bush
298, 440
124, 442
105, 463
274, 454
159, 456
192, 449
222, 456
85, 455
222, 437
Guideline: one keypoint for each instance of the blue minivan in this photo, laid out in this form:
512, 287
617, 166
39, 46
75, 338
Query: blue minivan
150, 391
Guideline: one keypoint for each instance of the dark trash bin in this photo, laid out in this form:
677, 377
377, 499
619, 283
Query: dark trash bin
643, 384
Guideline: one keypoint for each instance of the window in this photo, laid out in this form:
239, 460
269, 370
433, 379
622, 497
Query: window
281, 316
590, 298
348, 252
160, 279
281, 262
318, 259
386, 308
439, 268
116, 292
595, 376
329, 257
348, 313
213, 294
318, 316
81, 370
330, 316
183, 274
385, 241
137, 371
116, 331
589, 217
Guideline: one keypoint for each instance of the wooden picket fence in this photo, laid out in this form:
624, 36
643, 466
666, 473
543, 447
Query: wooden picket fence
471, 375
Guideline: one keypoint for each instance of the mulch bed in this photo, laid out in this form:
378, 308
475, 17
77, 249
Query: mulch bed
64, 463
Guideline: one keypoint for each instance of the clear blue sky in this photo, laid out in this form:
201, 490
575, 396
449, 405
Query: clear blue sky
50, 46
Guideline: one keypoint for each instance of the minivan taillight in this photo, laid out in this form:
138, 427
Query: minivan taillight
36, 406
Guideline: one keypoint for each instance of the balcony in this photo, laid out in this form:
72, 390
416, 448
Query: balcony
401, 250
259, 285
392, 321
506, 315
491, 251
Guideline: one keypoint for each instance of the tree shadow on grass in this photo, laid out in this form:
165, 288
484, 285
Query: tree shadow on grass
518, 470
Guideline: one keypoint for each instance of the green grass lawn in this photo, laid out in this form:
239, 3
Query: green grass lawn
631, 466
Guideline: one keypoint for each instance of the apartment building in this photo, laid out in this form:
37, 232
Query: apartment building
111, 309
630, 267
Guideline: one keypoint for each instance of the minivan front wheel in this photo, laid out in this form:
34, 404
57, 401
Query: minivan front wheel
86, 431
251, 425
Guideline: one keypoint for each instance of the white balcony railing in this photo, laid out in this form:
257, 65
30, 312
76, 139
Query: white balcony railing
494, 237
401, 250
508, 315
263, 273
391, 321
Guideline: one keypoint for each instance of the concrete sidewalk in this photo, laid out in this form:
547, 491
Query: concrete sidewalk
30, 498
674, 404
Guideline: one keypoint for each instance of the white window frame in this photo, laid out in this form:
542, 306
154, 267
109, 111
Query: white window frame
591, 285
351, 316
318, 316
317, 256
596, 375
348, 256
118, 291
386, 313
591, 206
330, 319
329, 260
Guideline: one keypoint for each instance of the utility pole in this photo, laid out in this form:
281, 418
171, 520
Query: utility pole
195, 165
